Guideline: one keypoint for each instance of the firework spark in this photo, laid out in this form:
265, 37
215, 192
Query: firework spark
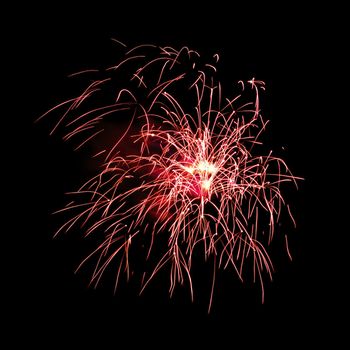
184, 170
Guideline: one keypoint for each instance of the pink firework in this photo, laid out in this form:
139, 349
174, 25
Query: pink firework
183, 172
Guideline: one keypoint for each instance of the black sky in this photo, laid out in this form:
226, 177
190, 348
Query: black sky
280, 47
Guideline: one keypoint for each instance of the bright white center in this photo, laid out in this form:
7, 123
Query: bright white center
205, 170
202, 167
206, 184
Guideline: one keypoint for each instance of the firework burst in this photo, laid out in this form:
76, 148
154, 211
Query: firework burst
183, 171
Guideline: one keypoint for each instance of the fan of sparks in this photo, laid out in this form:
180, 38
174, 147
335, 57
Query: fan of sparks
182, 170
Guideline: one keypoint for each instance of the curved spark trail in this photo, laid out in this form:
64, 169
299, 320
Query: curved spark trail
184, 171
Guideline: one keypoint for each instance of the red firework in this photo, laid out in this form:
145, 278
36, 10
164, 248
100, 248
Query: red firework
184, 168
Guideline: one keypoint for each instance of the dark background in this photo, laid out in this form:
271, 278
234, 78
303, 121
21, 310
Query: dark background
280, 46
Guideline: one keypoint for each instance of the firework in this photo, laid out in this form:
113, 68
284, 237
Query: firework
183, 172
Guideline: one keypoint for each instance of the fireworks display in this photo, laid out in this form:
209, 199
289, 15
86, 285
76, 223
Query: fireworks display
182, 178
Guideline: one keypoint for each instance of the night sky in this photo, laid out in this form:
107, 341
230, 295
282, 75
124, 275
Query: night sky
49, 299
